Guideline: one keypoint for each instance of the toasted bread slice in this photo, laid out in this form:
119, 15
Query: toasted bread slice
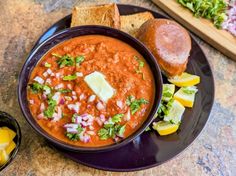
131, 23
105, 15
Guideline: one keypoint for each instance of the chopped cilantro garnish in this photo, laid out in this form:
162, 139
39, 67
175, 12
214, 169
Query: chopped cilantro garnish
117, 118
47, 65
56, 55
135, 104
51, 108
36, 87
76, 136
140, 65
64, 90
112, 128
69, 77
79, 59
148, 129
65, 60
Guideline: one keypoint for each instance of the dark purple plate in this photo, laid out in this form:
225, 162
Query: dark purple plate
149, 149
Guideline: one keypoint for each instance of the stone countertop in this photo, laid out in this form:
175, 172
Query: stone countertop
22, 22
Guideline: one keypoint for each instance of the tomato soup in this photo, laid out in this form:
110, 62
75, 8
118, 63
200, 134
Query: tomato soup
91, 91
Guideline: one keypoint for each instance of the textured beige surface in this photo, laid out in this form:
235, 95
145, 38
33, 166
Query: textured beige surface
22, 22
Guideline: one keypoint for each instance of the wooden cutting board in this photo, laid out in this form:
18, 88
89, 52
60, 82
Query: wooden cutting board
220, 39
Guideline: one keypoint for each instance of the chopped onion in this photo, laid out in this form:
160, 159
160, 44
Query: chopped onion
44, 96
58, 75
72, 130
100, 106
91, 98
102, 117
91, 133
127, 115
68, 98
59, 86
42, 107
39, 80
74, 97
49, 71
79, 74
98, 120
56, 97
31, 101
69, 86
71, 125
73, 93
91, 127
82, 96
45, 74
84, 124
48, 81
85, 138
78, 119
57, 116
40, 116
62, 101
74, 107
119, 104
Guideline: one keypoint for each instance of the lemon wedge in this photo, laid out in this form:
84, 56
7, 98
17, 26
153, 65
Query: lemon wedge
185, 79
11, 133
165, 128
3, 157
186, 95
4, 138
168, 92
10, 147
175, 112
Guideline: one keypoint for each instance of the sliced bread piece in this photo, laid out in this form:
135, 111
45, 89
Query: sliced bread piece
131, 23
105, 15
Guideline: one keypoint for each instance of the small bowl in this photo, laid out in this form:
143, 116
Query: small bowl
8, 121
66, 34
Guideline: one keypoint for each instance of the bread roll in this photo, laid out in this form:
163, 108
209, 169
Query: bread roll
169, 43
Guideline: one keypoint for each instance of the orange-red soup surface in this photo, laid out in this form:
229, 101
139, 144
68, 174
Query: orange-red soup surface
66, 107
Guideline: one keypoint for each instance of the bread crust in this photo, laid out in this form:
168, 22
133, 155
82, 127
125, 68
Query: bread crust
169, 43
106, 15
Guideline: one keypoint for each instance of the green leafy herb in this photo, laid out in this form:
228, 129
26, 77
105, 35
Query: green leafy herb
189, 90
57, 55
135, 104
36, 87
76, 136
79, 59
47, 65
140, 65
65, 60
64, 90
117, 118
120, 130
130, 99
214, 10
69, 77
103, 134
51, 108
112, 128
148, 129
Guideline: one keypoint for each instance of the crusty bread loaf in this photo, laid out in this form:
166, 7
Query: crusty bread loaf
105, 15
131, 23
169, 42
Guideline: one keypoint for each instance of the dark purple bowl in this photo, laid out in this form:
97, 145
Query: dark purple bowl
69, 33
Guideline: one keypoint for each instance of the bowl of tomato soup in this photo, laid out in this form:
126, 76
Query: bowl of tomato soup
90, 88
